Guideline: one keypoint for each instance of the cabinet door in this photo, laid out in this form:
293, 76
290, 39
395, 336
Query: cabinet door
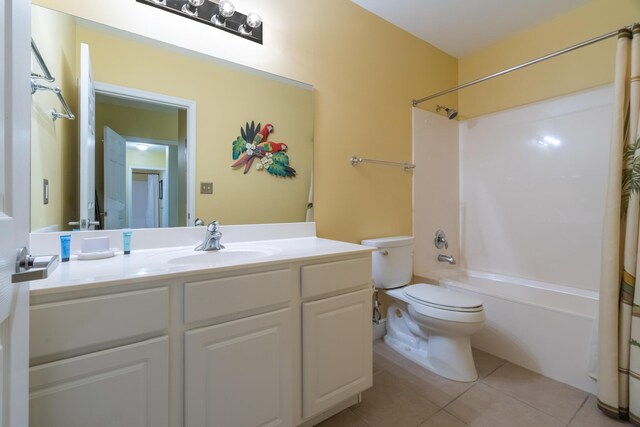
336, 351
239, 374
125, 386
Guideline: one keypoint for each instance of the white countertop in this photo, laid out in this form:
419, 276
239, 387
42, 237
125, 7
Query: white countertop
163, 263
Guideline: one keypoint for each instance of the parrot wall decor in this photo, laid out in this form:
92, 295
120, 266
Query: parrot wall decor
252, 144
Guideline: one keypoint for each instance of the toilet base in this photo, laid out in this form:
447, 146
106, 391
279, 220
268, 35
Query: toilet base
421, 358
445, 355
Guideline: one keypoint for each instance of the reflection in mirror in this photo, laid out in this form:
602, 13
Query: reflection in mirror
225, 98
142, 139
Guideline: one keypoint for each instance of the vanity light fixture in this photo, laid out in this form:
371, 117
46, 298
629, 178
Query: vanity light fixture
221, 15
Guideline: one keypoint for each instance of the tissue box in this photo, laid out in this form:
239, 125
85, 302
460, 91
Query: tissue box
95, 244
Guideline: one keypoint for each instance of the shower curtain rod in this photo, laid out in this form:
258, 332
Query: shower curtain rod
415, 102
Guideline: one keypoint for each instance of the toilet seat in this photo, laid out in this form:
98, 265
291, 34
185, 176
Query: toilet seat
443, 299
449, 307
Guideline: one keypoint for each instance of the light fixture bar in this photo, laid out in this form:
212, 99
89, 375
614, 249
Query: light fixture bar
235, 24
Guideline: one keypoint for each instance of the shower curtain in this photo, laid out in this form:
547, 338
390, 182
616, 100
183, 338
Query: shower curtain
619, 314
152, 201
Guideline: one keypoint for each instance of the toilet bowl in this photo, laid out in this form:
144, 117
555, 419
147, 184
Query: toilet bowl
428, 324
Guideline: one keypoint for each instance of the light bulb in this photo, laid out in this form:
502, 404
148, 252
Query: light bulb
252, 22
191, 8
225, 10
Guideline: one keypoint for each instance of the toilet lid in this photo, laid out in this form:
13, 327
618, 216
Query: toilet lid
442, 298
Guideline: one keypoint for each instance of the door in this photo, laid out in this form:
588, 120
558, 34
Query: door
115, 187
126, 386
87, 121
239, 373
336, 350
15, 106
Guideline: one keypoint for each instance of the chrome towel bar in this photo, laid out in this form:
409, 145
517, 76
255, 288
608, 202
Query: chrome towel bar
406, 166
35, 86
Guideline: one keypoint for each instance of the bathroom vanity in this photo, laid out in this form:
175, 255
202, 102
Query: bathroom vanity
270, 332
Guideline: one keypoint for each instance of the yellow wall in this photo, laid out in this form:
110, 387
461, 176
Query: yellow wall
53, 149
365, 72
582, 69
146, 159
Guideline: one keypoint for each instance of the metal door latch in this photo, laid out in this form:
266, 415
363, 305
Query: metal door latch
30, 267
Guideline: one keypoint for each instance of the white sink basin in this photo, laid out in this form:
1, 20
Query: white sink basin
228, 255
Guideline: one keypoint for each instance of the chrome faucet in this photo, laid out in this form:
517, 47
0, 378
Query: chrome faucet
211, 240
446, 258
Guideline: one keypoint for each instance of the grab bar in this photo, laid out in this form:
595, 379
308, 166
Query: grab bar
35, 86
406, 166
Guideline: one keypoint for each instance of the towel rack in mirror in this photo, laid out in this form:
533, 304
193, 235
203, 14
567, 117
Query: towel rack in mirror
35, 86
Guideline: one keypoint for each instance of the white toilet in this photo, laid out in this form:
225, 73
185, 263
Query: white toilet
429, 324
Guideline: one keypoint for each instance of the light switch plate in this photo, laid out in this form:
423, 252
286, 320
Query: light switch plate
206, 188
45, 191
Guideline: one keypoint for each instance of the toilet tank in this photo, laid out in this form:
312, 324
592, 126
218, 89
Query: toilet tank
394, 269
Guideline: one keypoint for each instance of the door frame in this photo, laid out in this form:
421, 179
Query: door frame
181, 103
15, 159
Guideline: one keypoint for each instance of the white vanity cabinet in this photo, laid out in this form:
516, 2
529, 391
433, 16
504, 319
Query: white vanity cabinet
239, 372
273, 344
336, 333
93, 363
121, 387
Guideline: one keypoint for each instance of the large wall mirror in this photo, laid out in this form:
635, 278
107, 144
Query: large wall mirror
164, 123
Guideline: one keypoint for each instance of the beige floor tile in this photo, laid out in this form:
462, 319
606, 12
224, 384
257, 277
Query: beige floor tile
552, 397
483, 406
443, 419
486, 363
431, 386
392, 403
590, 416
379, 363
345, 418
380, 348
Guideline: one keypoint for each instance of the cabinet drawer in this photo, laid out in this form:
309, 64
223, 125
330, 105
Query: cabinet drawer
75, 324
332, 277
216, 298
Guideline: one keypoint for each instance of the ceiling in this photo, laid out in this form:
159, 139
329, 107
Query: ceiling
460, 27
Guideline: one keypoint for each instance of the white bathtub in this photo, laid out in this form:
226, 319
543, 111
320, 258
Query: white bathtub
547, 328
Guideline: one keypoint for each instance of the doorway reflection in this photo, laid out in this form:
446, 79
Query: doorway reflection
140, 163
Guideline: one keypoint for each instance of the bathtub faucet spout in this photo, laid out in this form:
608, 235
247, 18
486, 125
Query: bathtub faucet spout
446, 258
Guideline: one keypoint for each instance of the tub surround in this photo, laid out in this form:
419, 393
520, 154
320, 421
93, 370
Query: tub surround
280, 325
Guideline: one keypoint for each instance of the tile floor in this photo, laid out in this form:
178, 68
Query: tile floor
505, 395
